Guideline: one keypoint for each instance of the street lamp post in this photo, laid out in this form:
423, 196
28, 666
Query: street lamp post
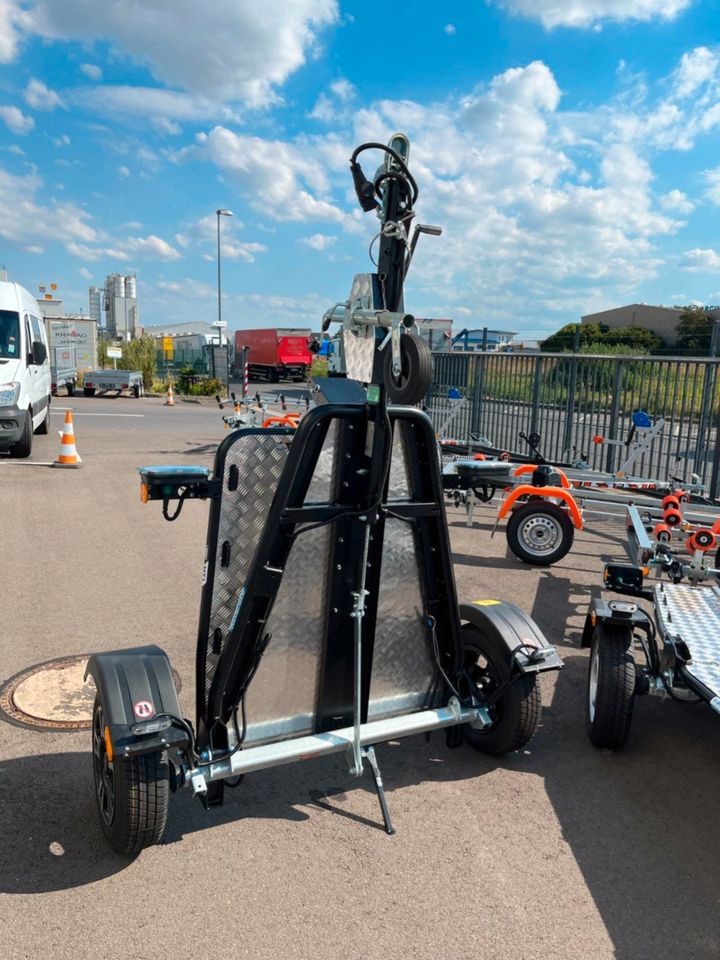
220, 213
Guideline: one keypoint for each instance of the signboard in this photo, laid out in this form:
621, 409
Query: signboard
114, 353
168, 346
80, 335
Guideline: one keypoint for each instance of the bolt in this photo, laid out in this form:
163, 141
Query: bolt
339, 567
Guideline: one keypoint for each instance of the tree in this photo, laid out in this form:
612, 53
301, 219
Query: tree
139, 354
597, 336
694, 330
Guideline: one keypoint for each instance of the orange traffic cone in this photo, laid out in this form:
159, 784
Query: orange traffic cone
169, 398
68, 456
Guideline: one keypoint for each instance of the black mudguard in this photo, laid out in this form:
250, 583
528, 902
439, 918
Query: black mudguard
619, 613
135, 685
515, 629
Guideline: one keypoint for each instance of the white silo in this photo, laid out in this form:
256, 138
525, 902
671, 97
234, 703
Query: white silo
118, 285
131, 287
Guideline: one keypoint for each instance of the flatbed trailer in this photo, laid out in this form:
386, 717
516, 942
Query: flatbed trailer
113, 381
669, 647
63, 370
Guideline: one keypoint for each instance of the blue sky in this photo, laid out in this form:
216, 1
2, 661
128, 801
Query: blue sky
569, 149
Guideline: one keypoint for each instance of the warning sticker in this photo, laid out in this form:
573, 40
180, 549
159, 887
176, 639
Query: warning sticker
486, 603
143, 709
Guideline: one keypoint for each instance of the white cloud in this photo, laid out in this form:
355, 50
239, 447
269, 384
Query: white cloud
85, 273
450, 29
223, 50
279, 179
676, 200
712, 179
162, 107
701, 261
318, 241
40, 97
587, 13
17, 150
35, 248
26, 221
62, 141
695, 68
16, 120
328, 105
152, 247
123, 171
91, 71
12, 17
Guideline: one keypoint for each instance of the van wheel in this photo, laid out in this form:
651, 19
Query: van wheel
89, 391
23, 448
44, 427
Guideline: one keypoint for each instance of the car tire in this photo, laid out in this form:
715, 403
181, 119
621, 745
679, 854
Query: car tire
23, 447
610, 687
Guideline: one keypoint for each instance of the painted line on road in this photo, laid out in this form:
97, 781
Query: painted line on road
79, 413
28, 463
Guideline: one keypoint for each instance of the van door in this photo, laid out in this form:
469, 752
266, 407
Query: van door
44, 373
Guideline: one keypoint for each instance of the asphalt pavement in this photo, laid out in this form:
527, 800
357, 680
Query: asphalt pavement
558, 851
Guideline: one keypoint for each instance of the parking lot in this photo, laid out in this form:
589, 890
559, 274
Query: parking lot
559, 851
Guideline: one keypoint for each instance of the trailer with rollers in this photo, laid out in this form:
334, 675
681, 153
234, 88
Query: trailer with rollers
677, 641
329, 620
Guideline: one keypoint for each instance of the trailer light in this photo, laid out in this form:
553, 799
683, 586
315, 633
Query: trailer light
646, 571
144, 493
108, 745
593, 618
154, 725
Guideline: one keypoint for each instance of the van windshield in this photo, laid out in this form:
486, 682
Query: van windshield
9, 335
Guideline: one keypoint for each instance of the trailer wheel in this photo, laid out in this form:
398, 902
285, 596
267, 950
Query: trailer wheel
89, 391
132, 795
136, 391
23, 448
540, 533
71, 388
516, 714
416, 374
610, 687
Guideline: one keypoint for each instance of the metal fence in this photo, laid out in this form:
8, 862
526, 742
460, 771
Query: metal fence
182, 359
571, 399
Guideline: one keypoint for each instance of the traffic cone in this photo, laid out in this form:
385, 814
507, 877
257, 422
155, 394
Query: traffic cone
169, 398
68, 456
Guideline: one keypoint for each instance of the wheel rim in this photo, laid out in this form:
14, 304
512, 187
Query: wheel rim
104, 780
481, 671
540, 535
593, 681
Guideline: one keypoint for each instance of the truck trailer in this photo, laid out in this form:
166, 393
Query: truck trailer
274, 353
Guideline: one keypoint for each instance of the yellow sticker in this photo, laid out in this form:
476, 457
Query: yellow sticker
486, 603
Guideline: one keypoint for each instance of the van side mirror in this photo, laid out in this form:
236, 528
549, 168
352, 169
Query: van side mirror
39, 353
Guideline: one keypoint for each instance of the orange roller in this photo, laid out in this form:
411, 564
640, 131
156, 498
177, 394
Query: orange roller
670, 501
716, 527
504, 456
702, 539
479, 456
662, 533
672, 517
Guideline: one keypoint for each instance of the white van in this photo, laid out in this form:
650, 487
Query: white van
25, 379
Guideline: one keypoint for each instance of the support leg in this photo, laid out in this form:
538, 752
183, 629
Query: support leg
370, 754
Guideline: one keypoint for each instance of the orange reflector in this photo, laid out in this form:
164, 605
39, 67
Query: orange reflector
108, 745
593, 618
144, 493
646, 571
598, 440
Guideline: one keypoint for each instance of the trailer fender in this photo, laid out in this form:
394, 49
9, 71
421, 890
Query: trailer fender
528, 650
611, 613
546, 493
135, 685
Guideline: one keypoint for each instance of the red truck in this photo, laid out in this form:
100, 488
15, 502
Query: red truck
274, 354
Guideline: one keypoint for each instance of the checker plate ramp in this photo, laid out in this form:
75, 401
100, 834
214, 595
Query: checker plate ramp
693, 613
281, 701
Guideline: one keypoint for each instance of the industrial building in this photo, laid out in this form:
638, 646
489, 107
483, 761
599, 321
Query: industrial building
662, 321
119, 302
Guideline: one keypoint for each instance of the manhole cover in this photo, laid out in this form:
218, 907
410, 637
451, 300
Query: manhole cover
52, 696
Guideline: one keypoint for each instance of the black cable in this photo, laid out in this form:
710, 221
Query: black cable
396, 157
181, 500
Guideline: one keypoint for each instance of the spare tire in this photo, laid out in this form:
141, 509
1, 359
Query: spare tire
415, 378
